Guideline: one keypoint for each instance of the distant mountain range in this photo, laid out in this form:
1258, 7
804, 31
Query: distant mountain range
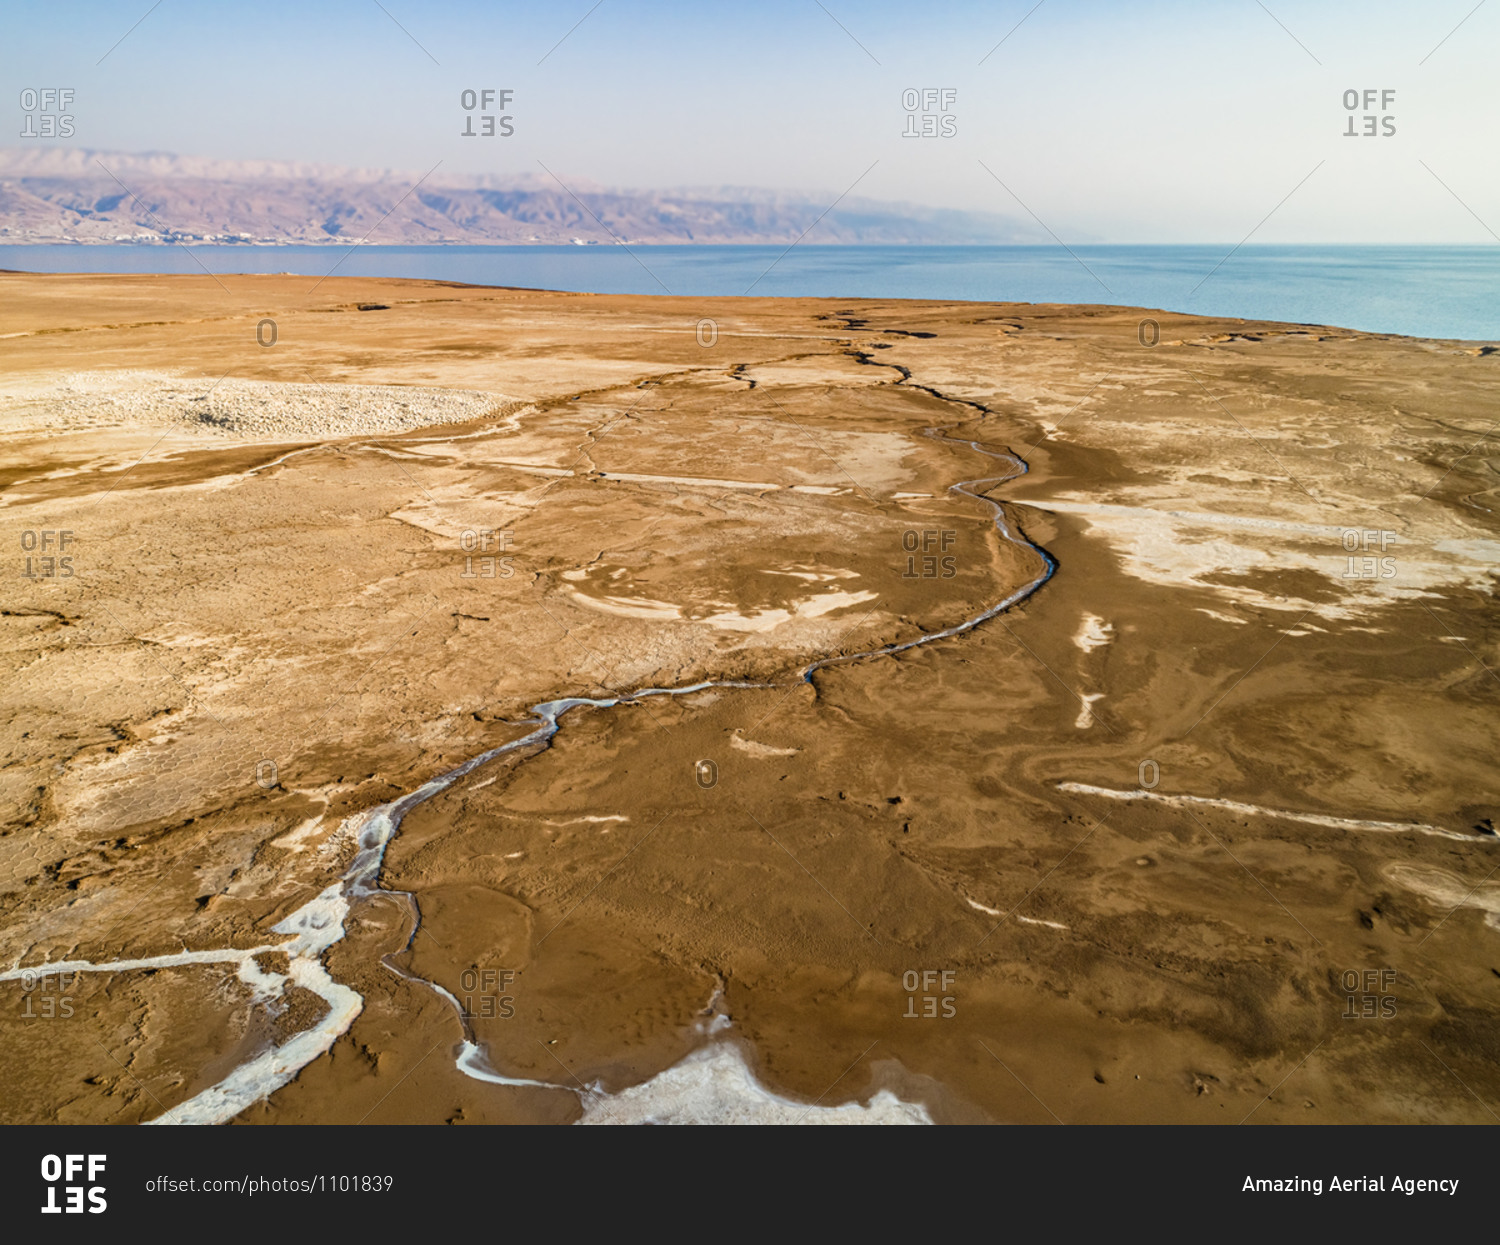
56, 194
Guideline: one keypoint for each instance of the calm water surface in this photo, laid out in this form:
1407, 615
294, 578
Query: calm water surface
1445, 292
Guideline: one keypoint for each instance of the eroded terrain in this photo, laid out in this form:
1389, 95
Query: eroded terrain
1201, 829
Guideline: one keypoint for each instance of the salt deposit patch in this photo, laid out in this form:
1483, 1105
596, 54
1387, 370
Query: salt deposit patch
315, 927
1235, 806
1184, 548
815, 576
714, 1085
591, 820
629, 607
472, 1063
649, 610
1034, 920
769, 620
1476, 550
232, 407
1448, 891
293, 840
759, 750
1093, 633
1086, 701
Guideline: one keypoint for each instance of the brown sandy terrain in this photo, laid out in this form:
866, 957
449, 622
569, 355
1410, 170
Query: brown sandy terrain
1174, 825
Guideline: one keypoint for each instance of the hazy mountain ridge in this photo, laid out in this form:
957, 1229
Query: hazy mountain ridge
52, 194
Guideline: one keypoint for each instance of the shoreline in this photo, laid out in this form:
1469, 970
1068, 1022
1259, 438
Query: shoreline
1038, 278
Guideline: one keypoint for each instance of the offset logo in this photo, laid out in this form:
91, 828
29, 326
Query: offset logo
931, 986
479, 105
491, 986
46, 554
1368, 567
929, 112
46, 114
931, 565
485, 539
68, 1169
1371, 115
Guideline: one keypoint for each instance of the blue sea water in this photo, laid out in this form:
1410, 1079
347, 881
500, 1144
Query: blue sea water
1422, 291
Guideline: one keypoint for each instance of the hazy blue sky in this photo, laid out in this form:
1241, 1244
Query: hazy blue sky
1131, 122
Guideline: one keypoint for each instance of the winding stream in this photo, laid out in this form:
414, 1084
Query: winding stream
320, 923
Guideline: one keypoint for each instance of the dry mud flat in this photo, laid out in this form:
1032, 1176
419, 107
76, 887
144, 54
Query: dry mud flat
1195, 832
